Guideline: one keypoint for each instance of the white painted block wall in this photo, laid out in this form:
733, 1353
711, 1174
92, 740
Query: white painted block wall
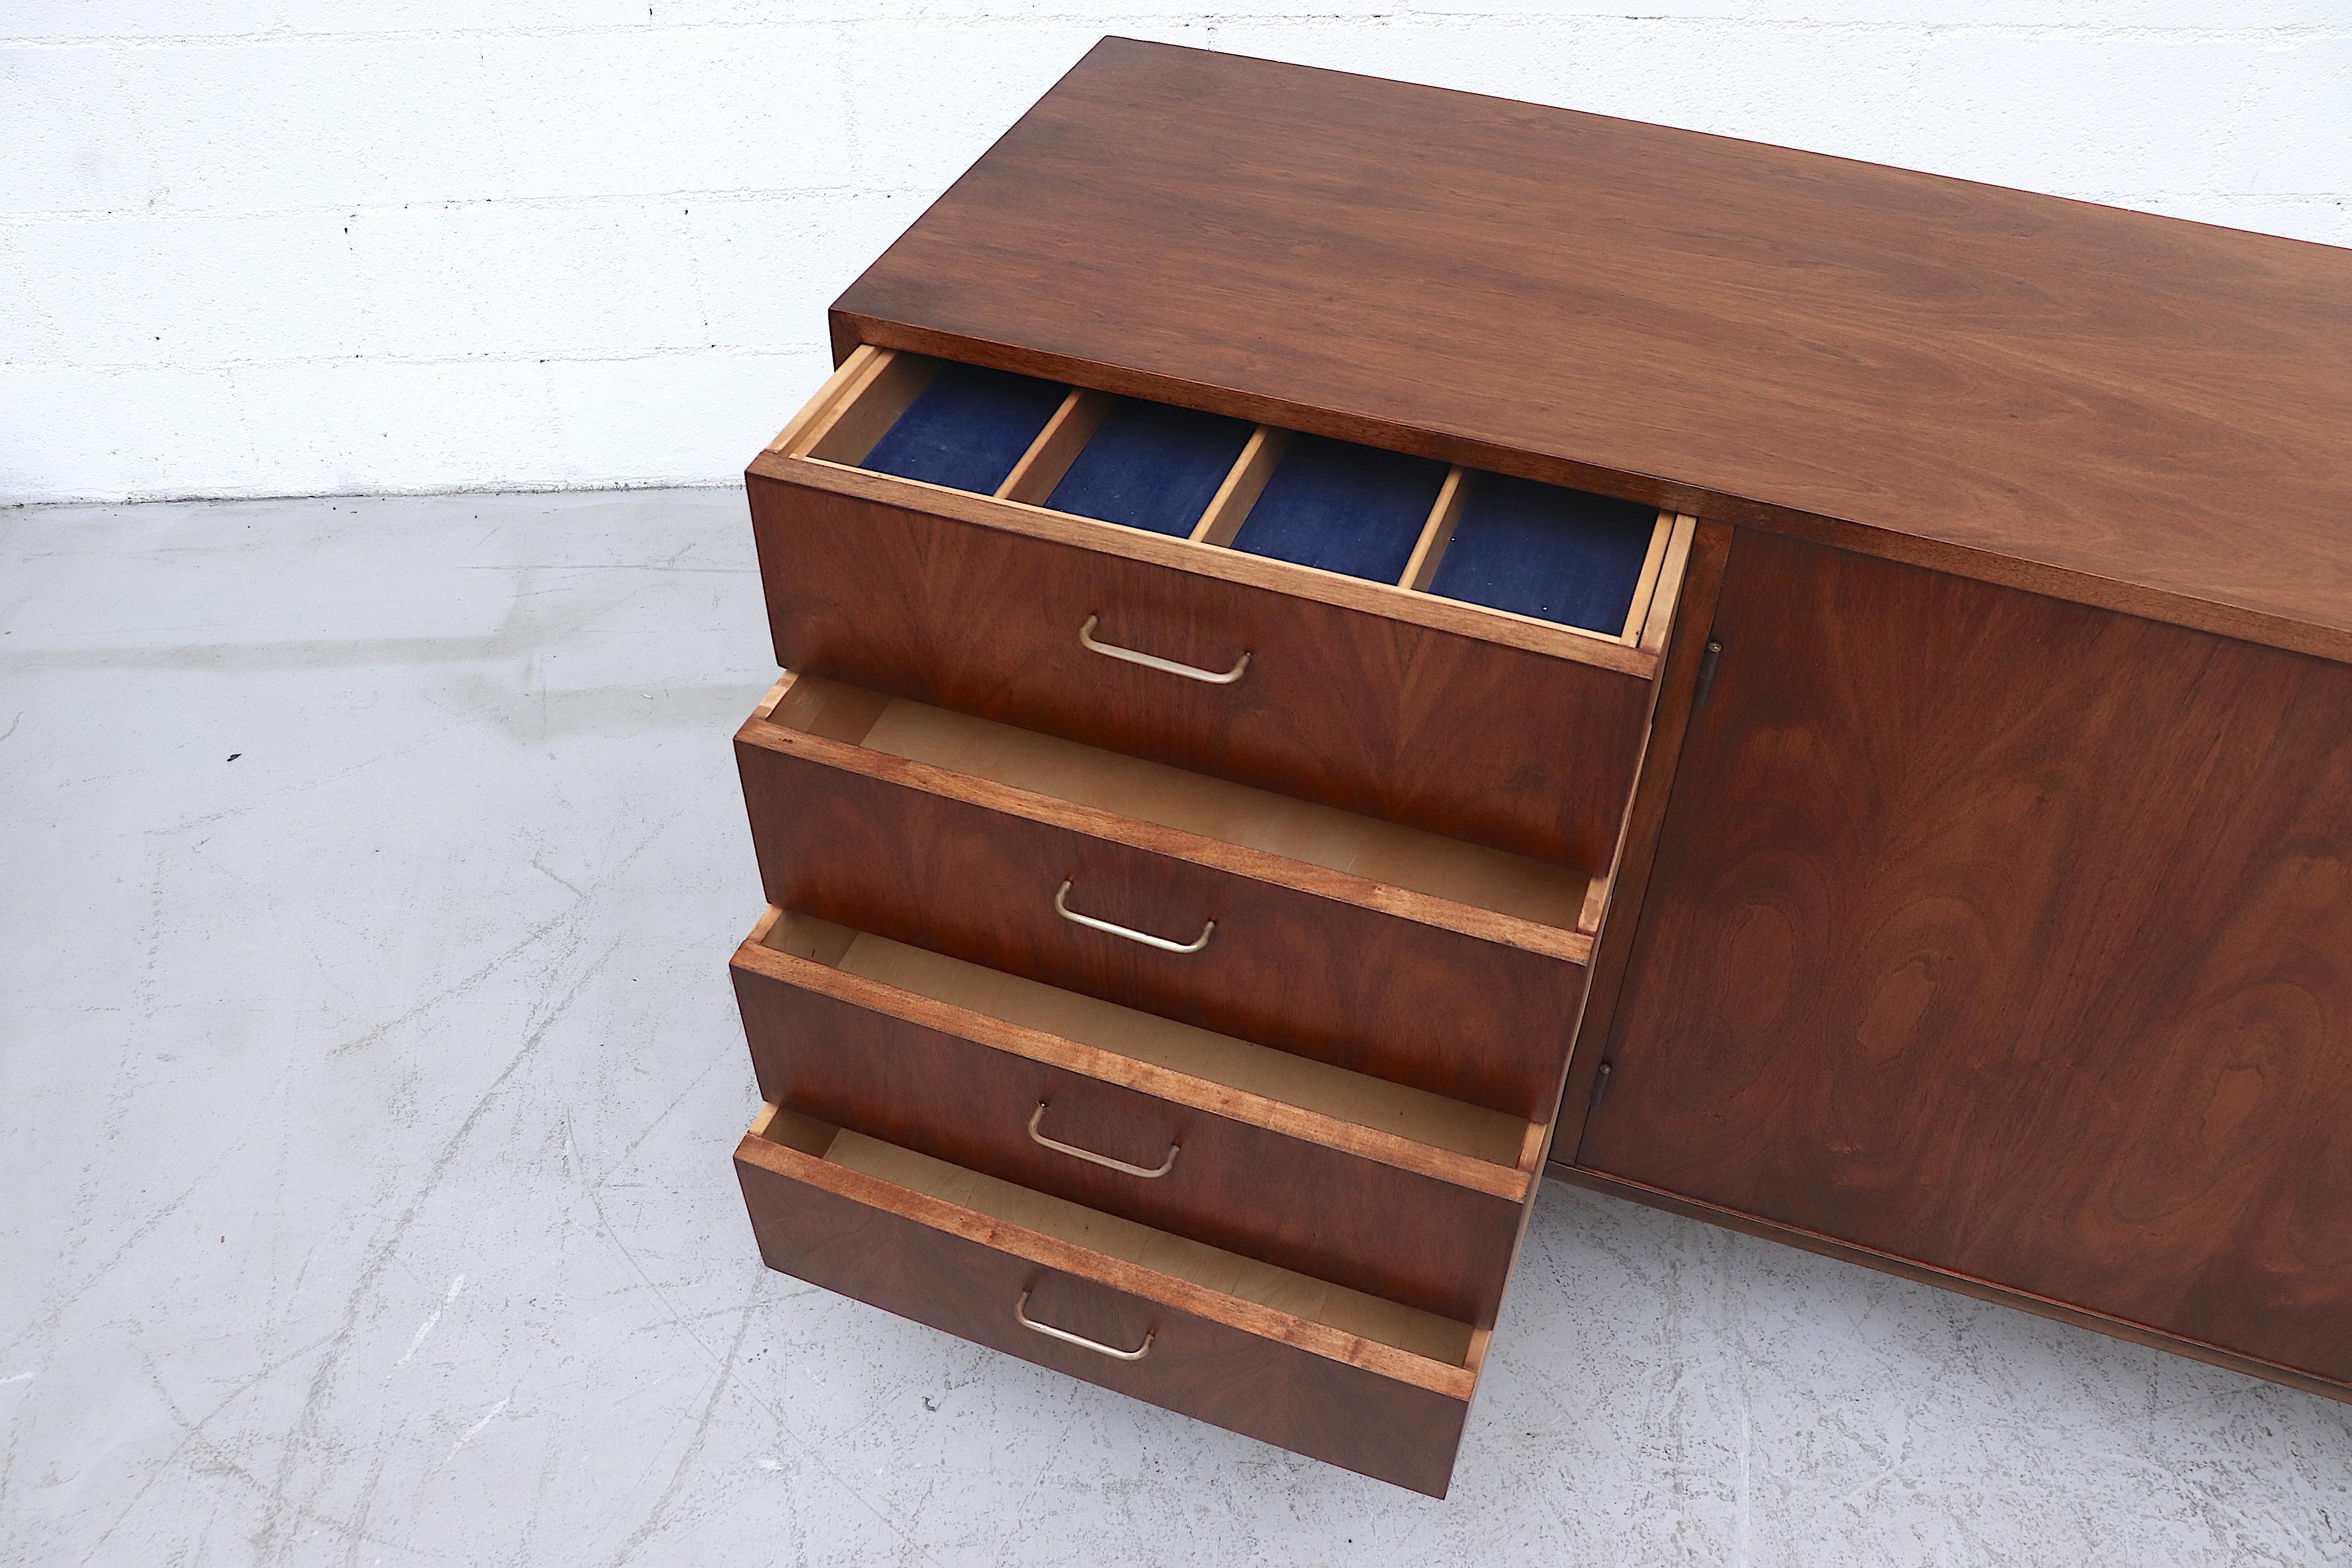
287, 246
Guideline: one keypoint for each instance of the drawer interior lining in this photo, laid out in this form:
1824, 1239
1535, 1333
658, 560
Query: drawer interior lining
1537, 553
1352, 1097
1324, 836
1339, 507
965, 428
1153, 466
1549, 553
1280, 1289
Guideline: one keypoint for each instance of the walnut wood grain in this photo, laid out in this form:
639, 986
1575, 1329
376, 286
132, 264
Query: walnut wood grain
1299, 1385
1361, 1208
1963, 1284
2012, 938
1312, 960
1470, 738
2129, 410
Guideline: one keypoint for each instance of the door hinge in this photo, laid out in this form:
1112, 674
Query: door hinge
1708, 661
1599, 1087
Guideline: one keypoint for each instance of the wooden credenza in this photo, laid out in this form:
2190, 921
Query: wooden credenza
1350, 646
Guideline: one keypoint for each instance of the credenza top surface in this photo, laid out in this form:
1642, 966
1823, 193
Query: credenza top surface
2130, 410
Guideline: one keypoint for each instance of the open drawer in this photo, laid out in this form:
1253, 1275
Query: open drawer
1466, 653
1391, 952
1352, 1179
1340, 1377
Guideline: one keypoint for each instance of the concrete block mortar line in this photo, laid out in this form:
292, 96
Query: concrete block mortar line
486, 487
599, 356
1117, 23
30, 218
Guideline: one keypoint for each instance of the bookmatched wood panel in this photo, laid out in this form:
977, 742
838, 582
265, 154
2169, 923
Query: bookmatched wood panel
2131, 410
1314, 1391
1314, 1195
1304, 959
1465, 737
2014, 937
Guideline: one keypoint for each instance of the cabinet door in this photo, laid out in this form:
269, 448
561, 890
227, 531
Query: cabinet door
2014, 937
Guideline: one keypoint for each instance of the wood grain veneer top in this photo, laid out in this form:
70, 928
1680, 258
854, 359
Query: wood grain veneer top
2132, 411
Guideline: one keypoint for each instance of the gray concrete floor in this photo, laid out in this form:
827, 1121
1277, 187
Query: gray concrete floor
366, 1100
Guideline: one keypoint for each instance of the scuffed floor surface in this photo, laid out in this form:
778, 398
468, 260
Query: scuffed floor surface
366, 1111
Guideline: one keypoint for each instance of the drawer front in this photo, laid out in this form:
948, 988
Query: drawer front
1212, 1357
1316, 1197
1477, 739
965, 867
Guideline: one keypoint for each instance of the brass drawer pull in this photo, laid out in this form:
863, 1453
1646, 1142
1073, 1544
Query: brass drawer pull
1061, 908
1036, 1120
1021, 1315
1149, 661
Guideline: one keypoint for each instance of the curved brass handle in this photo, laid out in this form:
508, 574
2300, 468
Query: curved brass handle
1036, 1120
1151, 662
1021, 1315
1061, 908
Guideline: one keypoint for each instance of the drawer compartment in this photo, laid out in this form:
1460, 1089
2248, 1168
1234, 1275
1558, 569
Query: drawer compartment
1540, 550
1288, 638
961, 426
1143, 465
1291, 924
1351, 1179
1333, 505
1346, 1378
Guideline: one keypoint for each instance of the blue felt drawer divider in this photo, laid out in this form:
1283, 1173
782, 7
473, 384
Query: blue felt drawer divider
1344, 507
1151, 465
966, 428
1544, 550
1548, 551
